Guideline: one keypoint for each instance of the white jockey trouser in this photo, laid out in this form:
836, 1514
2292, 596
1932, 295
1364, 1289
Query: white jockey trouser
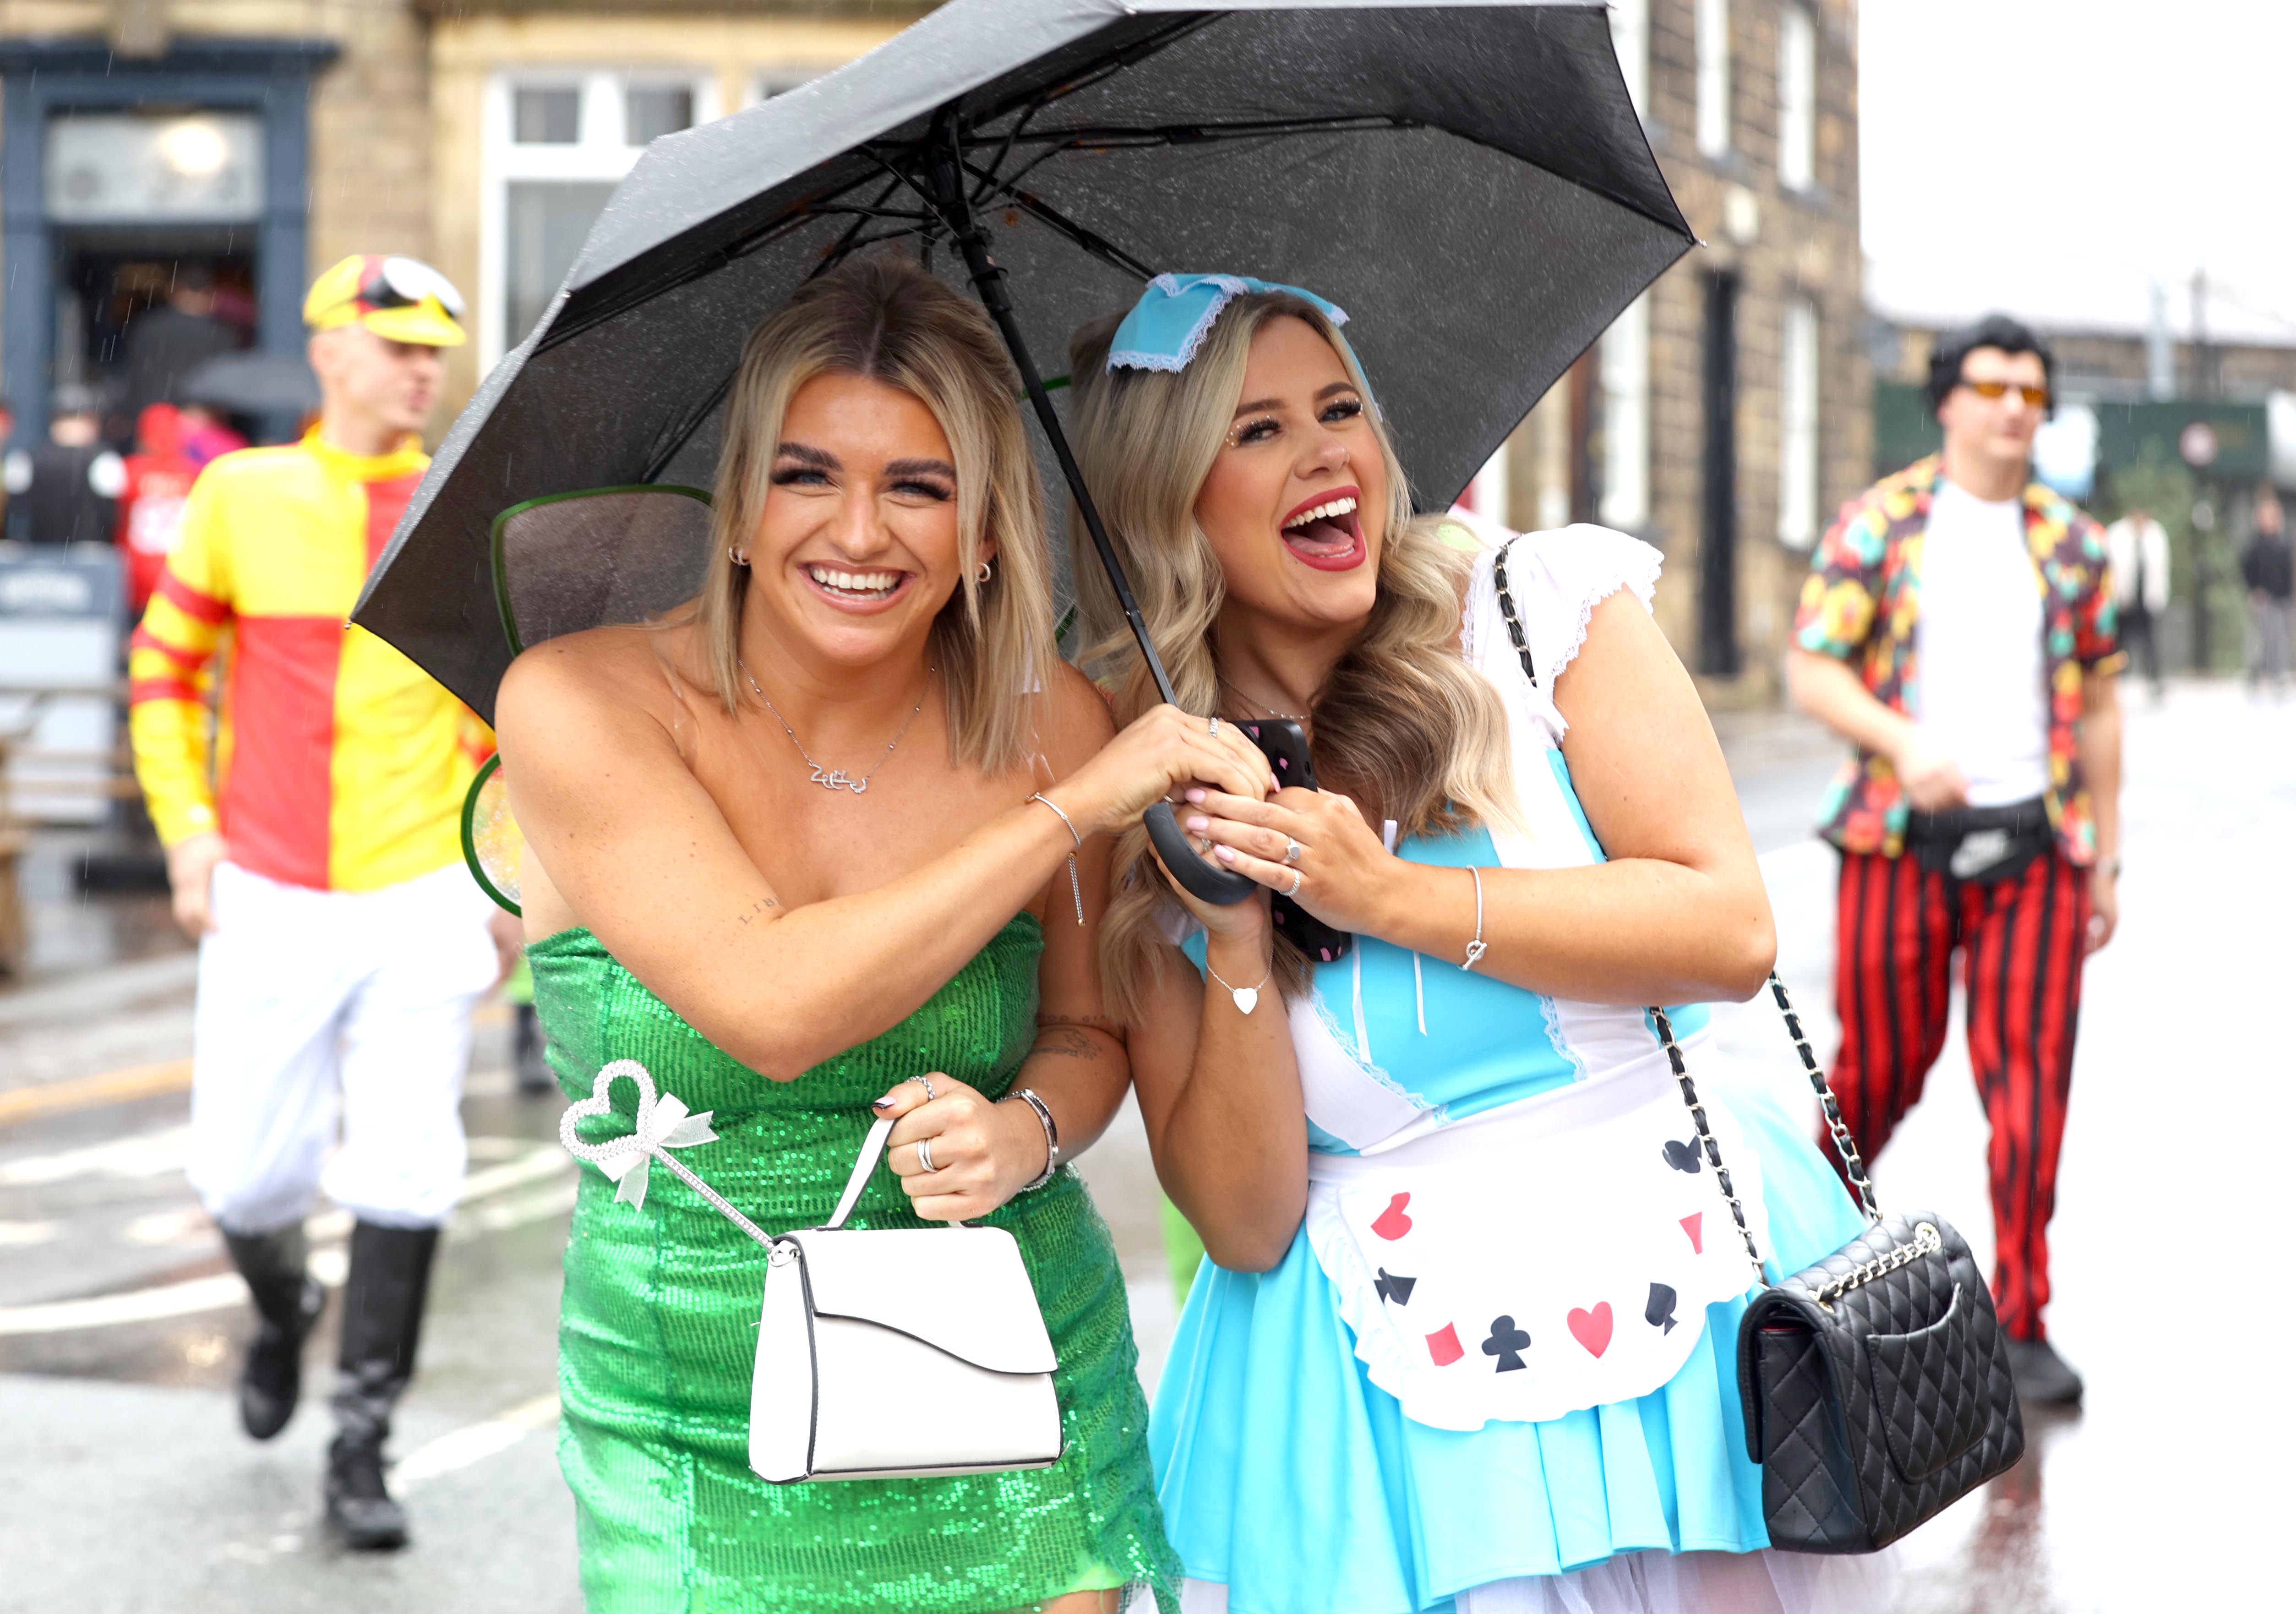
328, 1012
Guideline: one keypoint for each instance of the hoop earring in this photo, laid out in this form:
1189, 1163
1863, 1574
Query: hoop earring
736, 556
983, 574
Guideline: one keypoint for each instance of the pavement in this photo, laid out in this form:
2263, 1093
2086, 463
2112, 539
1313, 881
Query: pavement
126, 1486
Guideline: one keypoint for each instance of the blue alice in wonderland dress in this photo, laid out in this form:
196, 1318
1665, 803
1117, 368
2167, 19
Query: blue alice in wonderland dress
1495, 1370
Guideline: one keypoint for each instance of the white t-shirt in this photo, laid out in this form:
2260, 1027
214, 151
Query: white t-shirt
1979, 641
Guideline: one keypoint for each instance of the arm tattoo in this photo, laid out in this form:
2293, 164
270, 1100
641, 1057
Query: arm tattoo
757, 908
1065, 1042
1091, 1022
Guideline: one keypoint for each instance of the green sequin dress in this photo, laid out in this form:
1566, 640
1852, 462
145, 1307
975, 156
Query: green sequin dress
660, 1320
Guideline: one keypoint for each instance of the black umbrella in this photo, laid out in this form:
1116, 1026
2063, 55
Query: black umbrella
253, 383
1468, 180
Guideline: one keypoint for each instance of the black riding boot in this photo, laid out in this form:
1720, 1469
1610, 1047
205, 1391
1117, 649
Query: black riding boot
287, 1305
528, 1055
383, 1318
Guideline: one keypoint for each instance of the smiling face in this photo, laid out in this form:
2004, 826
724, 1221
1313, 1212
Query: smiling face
1295, 504
856, 548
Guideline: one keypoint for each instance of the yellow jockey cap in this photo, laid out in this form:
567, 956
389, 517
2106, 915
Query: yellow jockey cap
401, 300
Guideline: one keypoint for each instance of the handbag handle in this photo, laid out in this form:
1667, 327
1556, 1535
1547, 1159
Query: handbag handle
1853, 1163
873, 1150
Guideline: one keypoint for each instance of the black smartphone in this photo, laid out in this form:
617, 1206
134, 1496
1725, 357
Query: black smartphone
1284, 744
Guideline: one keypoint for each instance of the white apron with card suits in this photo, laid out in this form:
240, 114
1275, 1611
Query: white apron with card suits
1556, 1254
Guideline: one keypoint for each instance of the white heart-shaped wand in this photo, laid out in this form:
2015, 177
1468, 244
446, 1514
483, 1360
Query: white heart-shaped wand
663, 1123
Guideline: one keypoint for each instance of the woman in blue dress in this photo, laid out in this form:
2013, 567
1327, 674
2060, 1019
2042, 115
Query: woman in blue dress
1465, 1338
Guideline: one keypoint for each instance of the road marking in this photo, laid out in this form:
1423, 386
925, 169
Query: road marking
474, 1444
330, 1261
146, 1154
112, 1087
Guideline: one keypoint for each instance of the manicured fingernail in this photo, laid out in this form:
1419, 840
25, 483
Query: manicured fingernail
1200, 823
1195, 793
888, 1099
1225, 854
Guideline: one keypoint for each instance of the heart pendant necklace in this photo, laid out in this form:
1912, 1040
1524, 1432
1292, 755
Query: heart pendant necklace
1247, 998
837, 779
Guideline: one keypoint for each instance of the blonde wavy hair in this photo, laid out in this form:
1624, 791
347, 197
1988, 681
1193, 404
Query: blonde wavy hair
883, 319
1402, 718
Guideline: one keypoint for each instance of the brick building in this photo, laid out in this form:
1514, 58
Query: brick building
1726, 416
257, 141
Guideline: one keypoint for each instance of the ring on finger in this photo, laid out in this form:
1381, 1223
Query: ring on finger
924, 1155
925, 1082
1291, 850
1298, 877
1212, 728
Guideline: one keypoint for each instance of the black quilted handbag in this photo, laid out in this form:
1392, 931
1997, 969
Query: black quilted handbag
1876, 1383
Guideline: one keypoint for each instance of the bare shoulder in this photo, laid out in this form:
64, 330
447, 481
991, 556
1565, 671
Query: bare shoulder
1076, 719
606, 675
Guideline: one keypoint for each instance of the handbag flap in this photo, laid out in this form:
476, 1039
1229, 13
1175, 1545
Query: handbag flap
961, 1289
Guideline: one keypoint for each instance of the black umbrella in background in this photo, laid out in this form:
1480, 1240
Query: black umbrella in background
253, 383
1467, 179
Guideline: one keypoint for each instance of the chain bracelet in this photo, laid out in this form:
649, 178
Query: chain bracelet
1506, 610
1927, 1242
1853, 1163
1706, 1137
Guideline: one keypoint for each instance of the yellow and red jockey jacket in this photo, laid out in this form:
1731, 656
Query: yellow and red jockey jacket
336, 762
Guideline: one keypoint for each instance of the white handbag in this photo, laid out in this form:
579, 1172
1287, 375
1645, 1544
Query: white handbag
882, 1354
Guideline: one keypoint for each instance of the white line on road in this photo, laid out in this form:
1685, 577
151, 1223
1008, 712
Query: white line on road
329, 1261
473, 1443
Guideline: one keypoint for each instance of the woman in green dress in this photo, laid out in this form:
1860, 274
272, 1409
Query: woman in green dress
804, 851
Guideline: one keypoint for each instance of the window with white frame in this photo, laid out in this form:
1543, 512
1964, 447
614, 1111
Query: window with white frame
1797, 425
1630, 38
556, 145
1797, 98
1625, 375
1713, 41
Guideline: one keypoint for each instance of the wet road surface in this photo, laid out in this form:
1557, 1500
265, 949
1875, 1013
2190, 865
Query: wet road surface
126, 1484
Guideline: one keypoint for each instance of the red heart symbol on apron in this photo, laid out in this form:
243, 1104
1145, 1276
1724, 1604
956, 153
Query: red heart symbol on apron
1592, 1329
1393, 1223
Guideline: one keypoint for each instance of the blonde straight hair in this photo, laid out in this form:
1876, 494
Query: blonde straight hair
1402, 716
883, 319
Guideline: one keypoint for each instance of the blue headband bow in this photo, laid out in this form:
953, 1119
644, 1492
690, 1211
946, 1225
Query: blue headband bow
1173, 315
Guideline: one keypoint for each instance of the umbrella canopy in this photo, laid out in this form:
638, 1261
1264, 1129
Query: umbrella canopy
253, 383
1468, 180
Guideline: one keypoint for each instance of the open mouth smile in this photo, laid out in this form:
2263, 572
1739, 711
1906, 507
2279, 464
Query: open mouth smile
1326, 532
852, 589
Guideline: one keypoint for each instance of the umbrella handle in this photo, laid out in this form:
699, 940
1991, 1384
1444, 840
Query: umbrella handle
1221, 888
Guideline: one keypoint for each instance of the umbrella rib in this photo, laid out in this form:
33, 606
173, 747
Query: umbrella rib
1104, 135
1089, 242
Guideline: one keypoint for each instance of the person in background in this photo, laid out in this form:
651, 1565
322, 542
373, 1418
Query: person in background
2139, 547
64, 490
342, 946
204, 434
1959, 629
2267, 566
169, 341
159, 479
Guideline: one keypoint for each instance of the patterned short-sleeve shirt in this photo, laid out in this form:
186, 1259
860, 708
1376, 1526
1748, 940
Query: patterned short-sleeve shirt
1861, 602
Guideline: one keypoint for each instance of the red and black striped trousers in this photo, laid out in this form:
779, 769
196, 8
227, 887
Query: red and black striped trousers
2022, 942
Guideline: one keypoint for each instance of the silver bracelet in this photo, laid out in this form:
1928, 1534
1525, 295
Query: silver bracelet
1475, 949
1028, 1095
1076, 889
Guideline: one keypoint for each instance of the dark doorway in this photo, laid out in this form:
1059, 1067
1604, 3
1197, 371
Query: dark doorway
117, 290
1717, 548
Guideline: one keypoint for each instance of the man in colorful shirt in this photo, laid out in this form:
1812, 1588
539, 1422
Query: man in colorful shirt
1958, 629
314, 848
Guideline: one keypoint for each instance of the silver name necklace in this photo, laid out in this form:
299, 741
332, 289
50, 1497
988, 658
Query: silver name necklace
836, 779
1262, 705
